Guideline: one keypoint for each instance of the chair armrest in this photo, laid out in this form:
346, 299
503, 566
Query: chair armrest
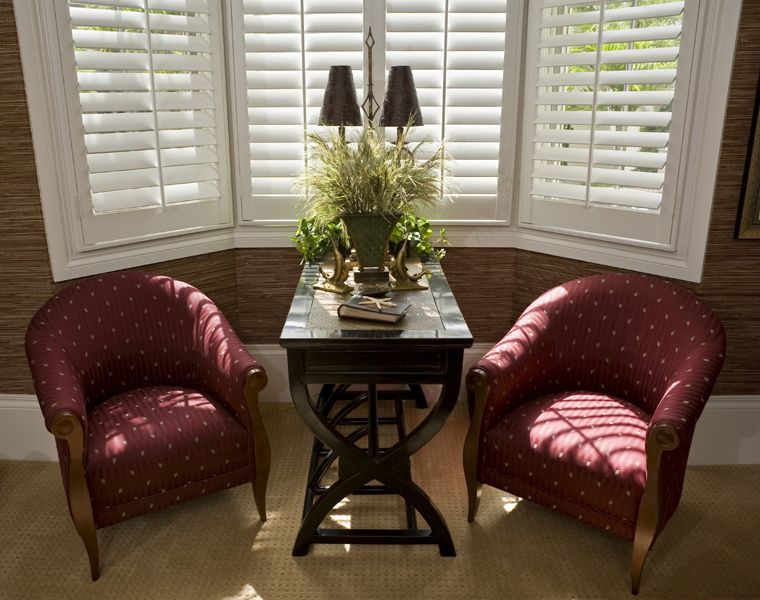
516, 369
58, 387
225, 365
682, 404
671, 429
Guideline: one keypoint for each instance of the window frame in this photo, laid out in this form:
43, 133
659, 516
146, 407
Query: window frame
683, 259
52, 122
682, 256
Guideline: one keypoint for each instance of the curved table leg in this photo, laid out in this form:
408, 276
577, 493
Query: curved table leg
339, 490
365, 468
422, 502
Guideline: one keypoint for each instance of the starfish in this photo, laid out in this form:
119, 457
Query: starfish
380, 303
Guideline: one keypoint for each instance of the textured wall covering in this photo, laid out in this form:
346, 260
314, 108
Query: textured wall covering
254, 286
483, 281
267, 278
25, 279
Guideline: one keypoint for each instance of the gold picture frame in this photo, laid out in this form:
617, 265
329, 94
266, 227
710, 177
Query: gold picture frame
749, 214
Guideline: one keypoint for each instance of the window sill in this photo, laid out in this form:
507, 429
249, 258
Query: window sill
105, 260
662, 262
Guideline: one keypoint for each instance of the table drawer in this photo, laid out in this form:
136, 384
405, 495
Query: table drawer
392, 361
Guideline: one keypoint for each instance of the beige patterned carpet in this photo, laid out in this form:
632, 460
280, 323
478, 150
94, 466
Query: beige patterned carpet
216, 548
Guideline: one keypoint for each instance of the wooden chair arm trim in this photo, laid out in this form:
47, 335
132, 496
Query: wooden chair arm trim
664, 435
67, 425
478, 385
661, 437
477, 393
255, 381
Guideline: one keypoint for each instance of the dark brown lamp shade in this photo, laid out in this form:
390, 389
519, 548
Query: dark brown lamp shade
400, 99
340, 106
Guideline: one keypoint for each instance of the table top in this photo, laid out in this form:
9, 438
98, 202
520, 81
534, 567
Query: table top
434, 317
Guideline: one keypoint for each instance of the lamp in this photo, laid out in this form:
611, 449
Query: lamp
339, 106
400, 103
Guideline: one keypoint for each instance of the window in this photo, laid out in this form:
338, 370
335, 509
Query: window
585, 129
289, 47
147, 115
604, 116
460, 58
456, 49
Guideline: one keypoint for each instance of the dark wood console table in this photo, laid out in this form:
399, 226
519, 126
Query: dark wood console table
426, 347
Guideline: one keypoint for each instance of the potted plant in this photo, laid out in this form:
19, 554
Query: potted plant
369, 184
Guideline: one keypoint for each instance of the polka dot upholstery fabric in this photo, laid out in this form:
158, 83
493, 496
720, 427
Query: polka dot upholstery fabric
155, 374
575, 386
583, 440
146, 442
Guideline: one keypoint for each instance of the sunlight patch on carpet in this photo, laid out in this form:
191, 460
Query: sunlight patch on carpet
510, 503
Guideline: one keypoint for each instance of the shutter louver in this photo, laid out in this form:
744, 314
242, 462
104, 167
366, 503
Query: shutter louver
605, 80
151, 100
290, 46
456, 49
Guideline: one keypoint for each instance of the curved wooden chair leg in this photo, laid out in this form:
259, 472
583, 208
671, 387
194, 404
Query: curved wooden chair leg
89, 536
262, 452
474, 489
259, 496
84, 521
642, 542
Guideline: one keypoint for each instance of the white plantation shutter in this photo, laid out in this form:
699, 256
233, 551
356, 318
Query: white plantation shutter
606, 87
621, 111
289, 48
458, 51
148, 109
415, 36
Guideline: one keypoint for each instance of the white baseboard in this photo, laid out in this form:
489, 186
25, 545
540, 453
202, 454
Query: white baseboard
727, 433
23, 435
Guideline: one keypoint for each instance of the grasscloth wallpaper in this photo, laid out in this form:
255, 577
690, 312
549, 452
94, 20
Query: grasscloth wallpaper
254, 286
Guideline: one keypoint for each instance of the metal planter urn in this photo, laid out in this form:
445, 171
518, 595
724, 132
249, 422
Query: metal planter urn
369, 235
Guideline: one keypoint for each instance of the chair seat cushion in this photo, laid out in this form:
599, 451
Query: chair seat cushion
151, 440
579, 452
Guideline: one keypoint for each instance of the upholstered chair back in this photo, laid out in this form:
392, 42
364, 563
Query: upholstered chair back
127, 330
620, 334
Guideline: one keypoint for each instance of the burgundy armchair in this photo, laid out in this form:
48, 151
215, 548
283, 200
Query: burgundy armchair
152, 399
588, 405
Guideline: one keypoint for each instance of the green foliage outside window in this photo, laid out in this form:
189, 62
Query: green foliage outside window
608, 47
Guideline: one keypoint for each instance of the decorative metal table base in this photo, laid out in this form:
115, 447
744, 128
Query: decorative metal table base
390, 466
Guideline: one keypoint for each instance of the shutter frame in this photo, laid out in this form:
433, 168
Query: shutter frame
645, 130
110, 216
